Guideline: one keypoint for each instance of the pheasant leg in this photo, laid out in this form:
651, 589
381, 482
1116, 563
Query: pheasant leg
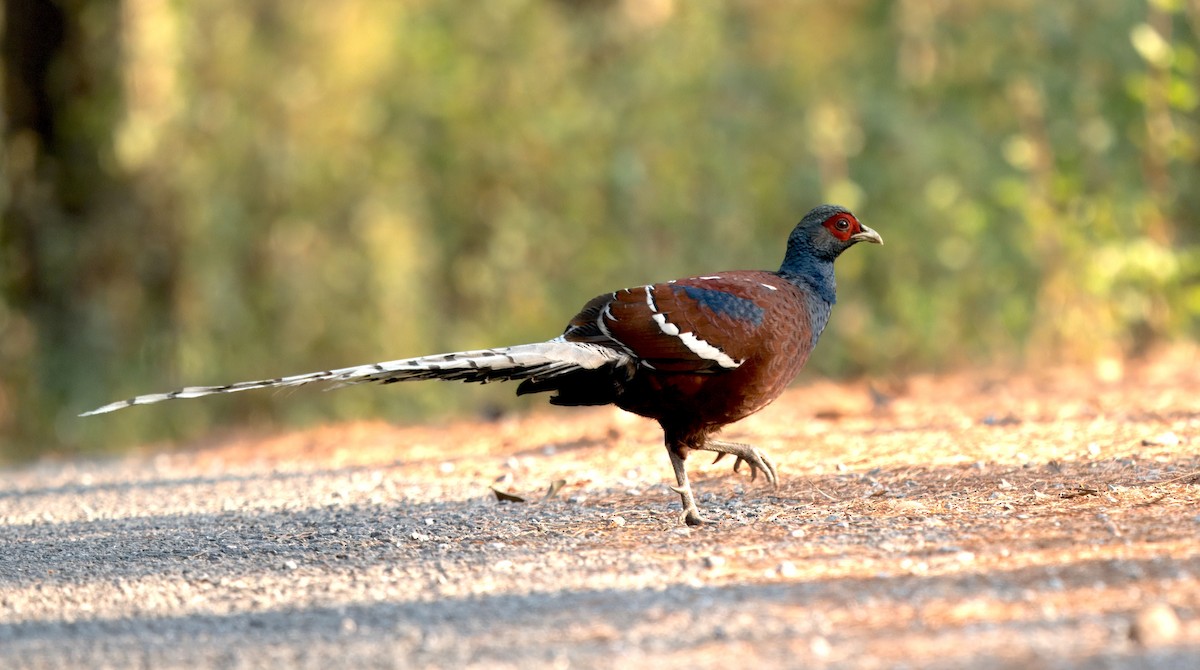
691, 513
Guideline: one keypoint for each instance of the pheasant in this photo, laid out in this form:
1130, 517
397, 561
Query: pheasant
695, 354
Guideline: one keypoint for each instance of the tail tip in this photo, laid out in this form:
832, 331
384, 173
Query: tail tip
104, 410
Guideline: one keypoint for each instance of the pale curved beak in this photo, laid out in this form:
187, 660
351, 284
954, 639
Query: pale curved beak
867, 235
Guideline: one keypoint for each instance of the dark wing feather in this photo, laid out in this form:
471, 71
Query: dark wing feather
701, 324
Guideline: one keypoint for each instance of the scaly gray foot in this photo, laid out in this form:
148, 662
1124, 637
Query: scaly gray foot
745, 453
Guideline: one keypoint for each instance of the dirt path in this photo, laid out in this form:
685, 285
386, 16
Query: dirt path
1045, 520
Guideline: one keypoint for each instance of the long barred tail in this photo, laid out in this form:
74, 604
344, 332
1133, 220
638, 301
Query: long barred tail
540, 362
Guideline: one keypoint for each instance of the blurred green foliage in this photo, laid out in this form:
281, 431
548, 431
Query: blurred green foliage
240, 190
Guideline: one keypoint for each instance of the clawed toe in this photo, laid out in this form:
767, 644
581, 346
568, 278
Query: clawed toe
692, 517
752, 456
691, 513
737, 465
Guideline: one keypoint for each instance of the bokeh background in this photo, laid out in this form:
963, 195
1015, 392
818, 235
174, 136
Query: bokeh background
203, 192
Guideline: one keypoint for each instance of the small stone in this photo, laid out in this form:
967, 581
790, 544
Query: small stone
711, 562
786, 569
290, 564
503, 564
446, 467
1093, 449
1155, 625
800, 532
910, 506
820, 647
1167, 439
617, 521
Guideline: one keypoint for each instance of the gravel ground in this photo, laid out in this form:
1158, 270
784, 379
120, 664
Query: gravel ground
976, 520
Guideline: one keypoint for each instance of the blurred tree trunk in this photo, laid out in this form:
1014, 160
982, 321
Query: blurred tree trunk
33, 39
66, 209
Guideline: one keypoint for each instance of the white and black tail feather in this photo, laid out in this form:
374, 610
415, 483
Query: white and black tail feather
539, 362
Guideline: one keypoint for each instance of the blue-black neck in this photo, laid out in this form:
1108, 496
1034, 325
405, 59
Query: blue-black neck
811, 273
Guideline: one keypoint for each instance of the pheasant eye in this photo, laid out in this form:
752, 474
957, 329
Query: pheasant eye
842, 224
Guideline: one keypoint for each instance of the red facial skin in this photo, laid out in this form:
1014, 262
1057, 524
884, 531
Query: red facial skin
851, 226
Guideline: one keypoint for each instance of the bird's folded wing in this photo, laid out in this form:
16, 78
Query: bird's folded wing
702, 324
